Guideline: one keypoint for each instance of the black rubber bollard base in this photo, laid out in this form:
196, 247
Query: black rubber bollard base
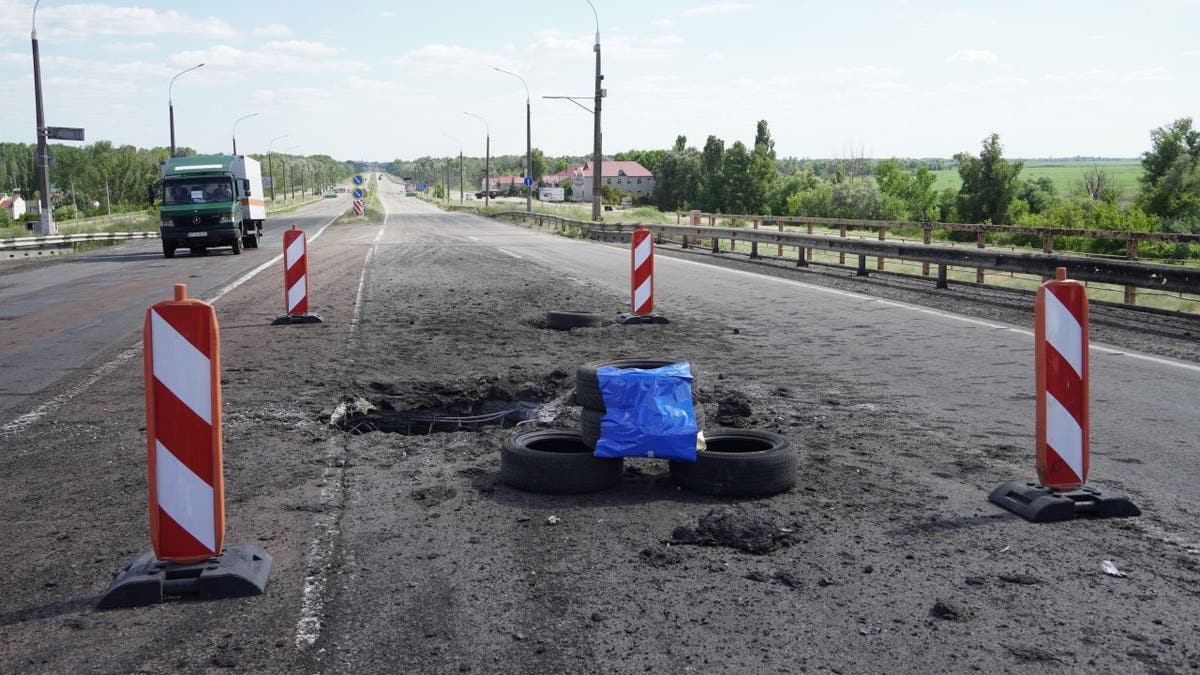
626, 319
289, 319
1044, 505
241, 571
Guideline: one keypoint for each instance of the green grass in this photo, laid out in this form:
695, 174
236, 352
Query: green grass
1066, 174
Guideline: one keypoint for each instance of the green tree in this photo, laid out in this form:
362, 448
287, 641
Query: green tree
989, 183
762, 175
678, 180
1171, 182
907, 195
735, 172
712, 158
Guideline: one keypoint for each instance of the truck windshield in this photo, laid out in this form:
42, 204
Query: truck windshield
197, 191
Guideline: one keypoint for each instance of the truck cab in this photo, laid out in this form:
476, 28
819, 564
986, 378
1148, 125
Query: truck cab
211, 201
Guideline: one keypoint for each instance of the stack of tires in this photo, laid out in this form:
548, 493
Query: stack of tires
735, 462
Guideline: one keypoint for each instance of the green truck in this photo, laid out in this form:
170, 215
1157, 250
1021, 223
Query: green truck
211, 201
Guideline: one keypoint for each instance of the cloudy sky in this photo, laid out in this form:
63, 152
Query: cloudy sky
380, 80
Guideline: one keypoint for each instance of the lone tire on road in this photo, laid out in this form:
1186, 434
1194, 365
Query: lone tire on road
555, 462
564, 320
739, 463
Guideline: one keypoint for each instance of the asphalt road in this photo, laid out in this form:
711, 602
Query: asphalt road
404, 553
62, 319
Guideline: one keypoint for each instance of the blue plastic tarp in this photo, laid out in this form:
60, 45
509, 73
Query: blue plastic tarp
649, 413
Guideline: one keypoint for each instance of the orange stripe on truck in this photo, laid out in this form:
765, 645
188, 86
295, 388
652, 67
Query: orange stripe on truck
254, 202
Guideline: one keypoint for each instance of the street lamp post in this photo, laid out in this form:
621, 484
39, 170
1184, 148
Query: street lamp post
271, 164
235, 123
598, 156
43, 150
171, 102
487, 161
528, 143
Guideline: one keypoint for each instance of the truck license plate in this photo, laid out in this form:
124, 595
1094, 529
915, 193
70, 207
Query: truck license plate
197, 234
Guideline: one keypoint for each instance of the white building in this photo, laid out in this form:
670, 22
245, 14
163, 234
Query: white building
629, 177
14, 206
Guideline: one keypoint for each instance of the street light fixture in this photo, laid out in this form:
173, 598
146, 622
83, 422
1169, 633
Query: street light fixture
528, 143
43, 150
487, 161
271, 164
171, 101
235, 123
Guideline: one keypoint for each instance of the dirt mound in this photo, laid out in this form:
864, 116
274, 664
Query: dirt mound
736, 528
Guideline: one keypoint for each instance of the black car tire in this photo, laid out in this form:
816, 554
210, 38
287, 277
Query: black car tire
566, 320
739, 463
589, 424
555, 462
168, 250
587, 385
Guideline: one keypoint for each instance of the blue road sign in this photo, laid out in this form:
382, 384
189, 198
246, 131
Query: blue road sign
358, 193
358, 181
421, 187
528, 181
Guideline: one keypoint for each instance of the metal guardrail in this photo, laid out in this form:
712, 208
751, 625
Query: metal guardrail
1175, 278
65, 240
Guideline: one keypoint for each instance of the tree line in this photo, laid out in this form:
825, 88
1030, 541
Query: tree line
101, 178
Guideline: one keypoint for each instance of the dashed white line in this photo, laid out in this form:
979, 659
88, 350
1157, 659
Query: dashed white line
507, 252
26, 419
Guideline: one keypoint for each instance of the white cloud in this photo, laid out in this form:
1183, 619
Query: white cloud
303, 47
1098, 76
387, 14
455, 59
718, 8
263, 58
1190, 52
554, 44
714, 56
78, 22
973, 56
129, 47
665, 24
274, 30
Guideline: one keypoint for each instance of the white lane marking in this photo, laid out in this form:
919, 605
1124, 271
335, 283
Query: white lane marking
319, 557
472, 238
17, 425
185, 496
507, 252
22, 421
182, 369
1106, 349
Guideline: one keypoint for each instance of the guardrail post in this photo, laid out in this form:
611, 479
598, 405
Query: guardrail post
800, 253
1131, 252
779, 253
879, 259
862, 266
808, 252
685, 242
716, 246
754, 244
926, 238
981, 241
842, 256
941, 281
1047, 243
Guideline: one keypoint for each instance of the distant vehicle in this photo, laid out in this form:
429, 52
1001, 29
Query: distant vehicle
493, 194
211, 200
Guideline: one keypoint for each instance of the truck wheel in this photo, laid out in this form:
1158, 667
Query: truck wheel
250, 241
168, 250
236, 245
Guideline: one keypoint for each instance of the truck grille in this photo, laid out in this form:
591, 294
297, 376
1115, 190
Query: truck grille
197, 221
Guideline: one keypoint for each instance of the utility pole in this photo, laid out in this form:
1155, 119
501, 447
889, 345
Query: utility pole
597, 154
43, 150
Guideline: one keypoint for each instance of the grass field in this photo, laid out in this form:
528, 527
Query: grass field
1066, 174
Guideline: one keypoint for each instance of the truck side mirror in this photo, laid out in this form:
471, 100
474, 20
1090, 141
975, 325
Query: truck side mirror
246, 186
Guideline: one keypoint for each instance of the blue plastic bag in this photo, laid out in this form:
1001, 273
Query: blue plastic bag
649, 413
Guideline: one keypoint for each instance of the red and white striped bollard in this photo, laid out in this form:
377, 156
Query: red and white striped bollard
1061, 371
